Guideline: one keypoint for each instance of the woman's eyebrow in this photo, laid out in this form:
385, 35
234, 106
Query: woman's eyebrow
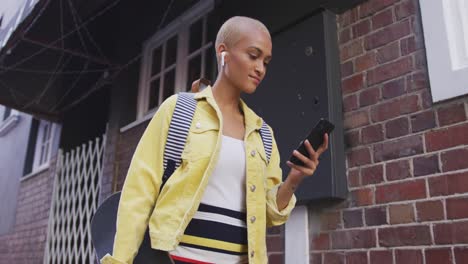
256, 48
259, 51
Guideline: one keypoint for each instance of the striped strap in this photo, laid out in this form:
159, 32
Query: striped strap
265, 133
179, 129
177, 134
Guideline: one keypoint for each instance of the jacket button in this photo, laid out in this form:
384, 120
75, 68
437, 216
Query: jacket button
252, 254
252, 219
252, 153
252, 188
198, 125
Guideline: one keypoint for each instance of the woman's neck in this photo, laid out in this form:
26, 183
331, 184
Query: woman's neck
227, 96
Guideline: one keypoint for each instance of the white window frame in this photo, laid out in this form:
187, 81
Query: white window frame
445, 26
180, 27
164, 69
48, 145
9, 123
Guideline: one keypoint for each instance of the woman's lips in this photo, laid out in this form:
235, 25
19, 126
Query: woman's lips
255, 80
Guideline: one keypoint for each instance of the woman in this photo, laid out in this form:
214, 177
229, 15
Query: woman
216, 206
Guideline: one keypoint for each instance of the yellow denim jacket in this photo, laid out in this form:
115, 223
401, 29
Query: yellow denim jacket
169, 212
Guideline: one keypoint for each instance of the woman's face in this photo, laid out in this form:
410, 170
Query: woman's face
247, 60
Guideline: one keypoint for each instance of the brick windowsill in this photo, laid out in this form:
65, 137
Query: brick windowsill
33, 174
138, 122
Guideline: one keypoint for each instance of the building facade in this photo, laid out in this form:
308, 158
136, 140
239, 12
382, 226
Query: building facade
404, 140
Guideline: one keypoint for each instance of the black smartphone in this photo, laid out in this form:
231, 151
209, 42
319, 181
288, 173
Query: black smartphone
315, 138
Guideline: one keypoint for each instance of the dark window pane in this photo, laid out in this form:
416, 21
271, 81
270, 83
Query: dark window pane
212, 26
154, 94
196, 35
7, 113
193, 72
169, 82
28, 164
171, 51
45, 135
210, 74
44, 154
156, 65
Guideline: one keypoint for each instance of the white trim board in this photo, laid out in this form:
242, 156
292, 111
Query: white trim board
445, 26
297, 237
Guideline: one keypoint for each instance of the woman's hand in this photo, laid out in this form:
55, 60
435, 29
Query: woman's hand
310, 164
298, 173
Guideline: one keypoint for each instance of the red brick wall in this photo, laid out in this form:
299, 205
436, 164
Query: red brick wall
406, 157
109, 162
126, 146
26, 243
275, 244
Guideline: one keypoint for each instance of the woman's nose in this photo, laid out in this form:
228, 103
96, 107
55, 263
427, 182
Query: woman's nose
260, 69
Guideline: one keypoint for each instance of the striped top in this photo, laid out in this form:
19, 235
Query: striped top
218, 231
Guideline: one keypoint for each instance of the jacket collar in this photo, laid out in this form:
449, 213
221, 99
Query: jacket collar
251, 119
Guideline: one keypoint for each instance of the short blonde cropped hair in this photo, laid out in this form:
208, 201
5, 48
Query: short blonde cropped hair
231, 31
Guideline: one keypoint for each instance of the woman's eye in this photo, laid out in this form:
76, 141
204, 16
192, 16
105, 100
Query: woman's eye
253, 57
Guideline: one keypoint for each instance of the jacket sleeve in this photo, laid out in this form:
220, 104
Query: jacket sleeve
274, 174
141, 187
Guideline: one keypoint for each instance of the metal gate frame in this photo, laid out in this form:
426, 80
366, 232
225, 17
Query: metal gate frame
75, 199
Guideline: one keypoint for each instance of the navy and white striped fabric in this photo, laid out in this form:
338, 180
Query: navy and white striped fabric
179, 129
267, 140
177, 134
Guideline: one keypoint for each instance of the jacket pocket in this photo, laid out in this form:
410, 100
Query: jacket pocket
201, 140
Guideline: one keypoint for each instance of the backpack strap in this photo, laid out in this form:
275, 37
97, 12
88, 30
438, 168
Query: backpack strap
265, 133
178, 131
177, 135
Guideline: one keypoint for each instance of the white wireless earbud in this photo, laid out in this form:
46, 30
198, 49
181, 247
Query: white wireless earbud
223, 54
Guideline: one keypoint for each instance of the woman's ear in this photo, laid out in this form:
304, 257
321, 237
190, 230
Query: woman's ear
222, 51
223, 55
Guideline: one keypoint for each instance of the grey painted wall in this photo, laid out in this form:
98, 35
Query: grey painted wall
13, 147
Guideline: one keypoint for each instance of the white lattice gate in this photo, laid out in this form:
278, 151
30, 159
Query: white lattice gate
74, 201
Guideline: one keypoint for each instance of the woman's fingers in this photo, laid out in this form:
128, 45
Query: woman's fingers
324, 145
304, 170
312, 153
311, 162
